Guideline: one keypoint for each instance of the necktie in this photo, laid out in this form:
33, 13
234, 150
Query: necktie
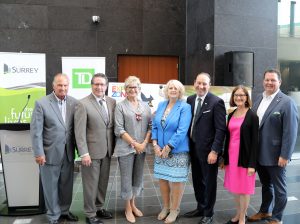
106, 118
196, 115
62, 109
198, 108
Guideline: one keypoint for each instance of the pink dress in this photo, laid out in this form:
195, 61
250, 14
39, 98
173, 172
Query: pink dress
236, 179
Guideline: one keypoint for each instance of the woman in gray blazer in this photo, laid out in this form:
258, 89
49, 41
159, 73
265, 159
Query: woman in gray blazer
132, 129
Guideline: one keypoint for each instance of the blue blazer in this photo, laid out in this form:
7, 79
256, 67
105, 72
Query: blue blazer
176, 129
277, 130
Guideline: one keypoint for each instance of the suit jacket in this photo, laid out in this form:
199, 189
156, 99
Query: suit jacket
248, 147
210, 126
50, 135
176, 127
93, 136
126, 122
277, 130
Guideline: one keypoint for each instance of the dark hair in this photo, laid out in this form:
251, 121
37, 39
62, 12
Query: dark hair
277, 72
248, 102
100, 75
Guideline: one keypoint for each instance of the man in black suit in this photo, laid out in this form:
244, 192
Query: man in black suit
207, 134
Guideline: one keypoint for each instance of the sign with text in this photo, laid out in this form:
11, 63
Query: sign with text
80, 71
22, 79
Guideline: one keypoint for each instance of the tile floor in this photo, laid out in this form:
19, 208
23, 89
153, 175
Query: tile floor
150, 202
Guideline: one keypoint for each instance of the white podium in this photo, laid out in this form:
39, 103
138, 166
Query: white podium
20, 172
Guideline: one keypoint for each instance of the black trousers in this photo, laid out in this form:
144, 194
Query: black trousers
205, 185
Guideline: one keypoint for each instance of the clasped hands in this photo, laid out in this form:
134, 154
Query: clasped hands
163, 153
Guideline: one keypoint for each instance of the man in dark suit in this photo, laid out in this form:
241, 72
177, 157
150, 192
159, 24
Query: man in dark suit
278, 125
94, 131
207, 134
53, 142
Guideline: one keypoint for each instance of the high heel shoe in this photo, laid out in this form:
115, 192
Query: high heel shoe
163, 214
172, 216
130, 217
137, 212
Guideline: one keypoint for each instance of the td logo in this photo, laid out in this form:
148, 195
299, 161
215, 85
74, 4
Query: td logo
81, 77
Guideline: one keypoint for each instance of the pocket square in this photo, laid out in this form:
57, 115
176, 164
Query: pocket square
207, 111
276, 113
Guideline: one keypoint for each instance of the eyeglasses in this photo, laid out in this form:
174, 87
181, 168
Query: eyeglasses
239, 95
132, 87
99, 84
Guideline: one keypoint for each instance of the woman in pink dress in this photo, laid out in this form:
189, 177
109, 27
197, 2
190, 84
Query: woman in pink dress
240, 152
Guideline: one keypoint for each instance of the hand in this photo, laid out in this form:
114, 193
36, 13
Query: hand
165, 152
157, 151
250, 171
139, 147
282, 162
212, 157
41, 160
86, 160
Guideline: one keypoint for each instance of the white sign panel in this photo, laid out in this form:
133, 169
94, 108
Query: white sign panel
80, 71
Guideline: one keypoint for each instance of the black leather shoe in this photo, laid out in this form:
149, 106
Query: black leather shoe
192, 214
93, 220
69, 217
231, 222
102, 213
53, 222
206, 220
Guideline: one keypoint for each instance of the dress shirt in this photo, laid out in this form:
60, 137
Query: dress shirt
264, 104
62, 105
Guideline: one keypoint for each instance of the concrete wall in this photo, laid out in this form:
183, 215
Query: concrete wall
64, 28
231, 25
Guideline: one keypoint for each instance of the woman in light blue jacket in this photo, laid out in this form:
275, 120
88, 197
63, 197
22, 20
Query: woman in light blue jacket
171, 146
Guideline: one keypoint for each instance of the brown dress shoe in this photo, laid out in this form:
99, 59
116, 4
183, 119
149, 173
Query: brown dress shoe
259, 216
274, 222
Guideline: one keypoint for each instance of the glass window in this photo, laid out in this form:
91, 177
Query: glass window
288, 51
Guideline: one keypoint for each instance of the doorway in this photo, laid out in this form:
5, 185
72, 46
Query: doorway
150, 69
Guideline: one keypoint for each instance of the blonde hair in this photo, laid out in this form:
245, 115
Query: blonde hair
178, 85
132, 79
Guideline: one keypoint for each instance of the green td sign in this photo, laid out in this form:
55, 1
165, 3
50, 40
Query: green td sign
81, 77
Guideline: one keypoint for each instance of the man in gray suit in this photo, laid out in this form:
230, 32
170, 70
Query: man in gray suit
94, 120
278, 125
53, 142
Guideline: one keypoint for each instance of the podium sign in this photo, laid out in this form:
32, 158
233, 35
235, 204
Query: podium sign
21, 173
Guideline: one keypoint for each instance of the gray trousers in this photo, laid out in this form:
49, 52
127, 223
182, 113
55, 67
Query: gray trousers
131, 171
57, 181
94, 182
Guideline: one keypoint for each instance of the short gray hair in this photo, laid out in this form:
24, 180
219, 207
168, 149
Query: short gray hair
132, 79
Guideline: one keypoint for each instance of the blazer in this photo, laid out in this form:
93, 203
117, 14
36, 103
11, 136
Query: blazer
277, 129
176, 127
125, 121
248, 148
50, 135
92, 134
210, 126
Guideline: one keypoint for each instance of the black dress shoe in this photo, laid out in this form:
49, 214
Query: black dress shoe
69, 217
53, 222
206, 220
231, 222
192, 214
102, 213
93, 220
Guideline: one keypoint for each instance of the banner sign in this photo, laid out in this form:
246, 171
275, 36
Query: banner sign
22, 79
80, 71
153, 93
